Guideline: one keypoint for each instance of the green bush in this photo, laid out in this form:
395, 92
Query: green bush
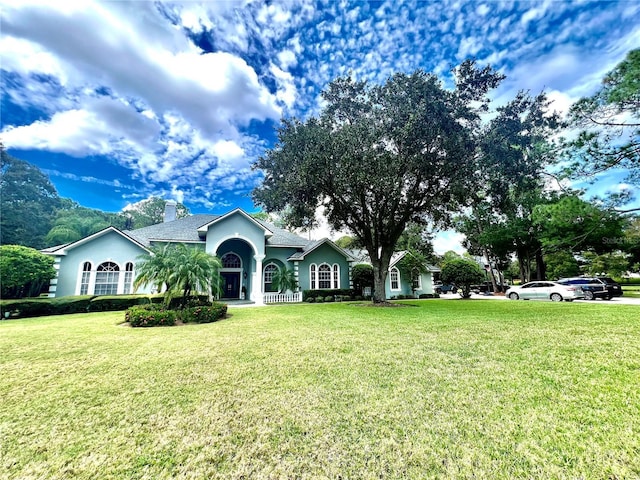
150, 316
319, 299
107, 303
429, 295
25, 272
324, 293
26, 308
71, 304
329, 298
310, 300
192, 301
203, 314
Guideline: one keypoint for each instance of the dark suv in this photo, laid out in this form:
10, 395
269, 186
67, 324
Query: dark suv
591, 286
614, 288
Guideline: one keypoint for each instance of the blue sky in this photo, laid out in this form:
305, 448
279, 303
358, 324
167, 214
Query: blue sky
119, 101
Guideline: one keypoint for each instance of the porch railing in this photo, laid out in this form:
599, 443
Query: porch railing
282, 297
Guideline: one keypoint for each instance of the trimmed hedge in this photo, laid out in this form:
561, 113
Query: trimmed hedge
150, 316
160, 316
429, 295
39, 307
203, 314
306, 294
108, 303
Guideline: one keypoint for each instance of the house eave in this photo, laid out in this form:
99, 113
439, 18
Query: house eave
64, 250
204, 228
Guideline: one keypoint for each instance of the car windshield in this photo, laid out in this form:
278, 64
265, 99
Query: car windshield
607, 279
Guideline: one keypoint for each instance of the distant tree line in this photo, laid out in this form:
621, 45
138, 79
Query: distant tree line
34, 215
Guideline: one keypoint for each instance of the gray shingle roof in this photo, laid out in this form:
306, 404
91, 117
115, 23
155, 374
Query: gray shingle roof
181, 230
186, 230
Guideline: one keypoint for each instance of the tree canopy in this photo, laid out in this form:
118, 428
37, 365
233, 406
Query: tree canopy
610, 123
379, 157
150, 211
24, 271
464, 273
28, 203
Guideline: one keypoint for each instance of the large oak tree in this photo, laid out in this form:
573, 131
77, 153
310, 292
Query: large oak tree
379, 157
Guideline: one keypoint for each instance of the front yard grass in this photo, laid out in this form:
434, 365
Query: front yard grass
437, 389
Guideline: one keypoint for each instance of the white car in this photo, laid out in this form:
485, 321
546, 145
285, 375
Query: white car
540, 290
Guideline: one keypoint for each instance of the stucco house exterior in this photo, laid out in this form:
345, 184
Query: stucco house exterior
397, 284
250, 250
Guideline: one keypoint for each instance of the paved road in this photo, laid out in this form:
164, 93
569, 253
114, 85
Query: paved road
614, 301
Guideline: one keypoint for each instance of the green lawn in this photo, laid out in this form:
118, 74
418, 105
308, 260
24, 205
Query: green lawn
631, 291
440, 389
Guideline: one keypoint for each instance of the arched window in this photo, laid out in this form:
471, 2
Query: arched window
85, 278
128, 278
312, 276
324, 276
269, 270
394, 277
336, 275
107, 276
231, 260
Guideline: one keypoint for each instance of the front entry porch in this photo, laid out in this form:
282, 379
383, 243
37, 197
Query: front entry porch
230, 285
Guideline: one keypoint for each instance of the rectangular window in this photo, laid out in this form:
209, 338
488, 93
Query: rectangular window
106, 283
128, 278
324, 277
336, 276
395, 279
84, 283
313, 277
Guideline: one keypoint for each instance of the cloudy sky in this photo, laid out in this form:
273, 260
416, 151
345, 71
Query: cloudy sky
118, 101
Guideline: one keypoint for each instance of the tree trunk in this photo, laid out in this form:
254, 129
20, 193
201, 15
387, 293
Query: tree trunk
541, 269
493, 277
379, 280
523, 264
380, 270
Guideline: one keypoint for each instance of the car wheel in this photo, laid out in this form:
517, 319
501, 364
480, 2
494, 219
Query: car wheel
606, 297
439, 291
588, 295
556, 297
513, 296
454, 290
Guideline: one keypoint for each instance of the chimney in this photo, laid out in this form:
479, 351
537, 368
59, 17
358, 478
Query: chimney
170, 211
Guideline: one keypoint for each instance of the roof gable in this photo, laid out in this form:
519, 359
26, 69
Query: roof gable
64, 249
311, 246
204, 228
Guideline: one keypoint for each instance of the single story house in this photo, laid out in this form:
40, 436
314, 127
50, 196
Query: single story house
250, 251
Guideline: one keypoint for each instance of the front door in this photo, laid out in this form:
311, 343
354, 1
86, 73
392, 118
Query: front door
231, 284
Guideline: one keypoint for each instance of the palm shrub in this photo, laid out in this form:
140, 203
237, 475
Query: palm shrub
154, 268
284, 279
183, 270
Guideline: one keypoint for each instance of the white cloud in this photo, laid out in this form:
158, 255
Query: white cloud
448, 240
286, 86
287, 58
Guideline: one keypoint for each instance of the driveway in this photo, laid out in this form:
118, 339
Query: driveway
615, 301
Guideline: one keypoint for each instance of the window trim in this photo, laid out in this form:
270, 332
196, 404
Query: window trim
264, 272
394, 271
113, 275
330, 279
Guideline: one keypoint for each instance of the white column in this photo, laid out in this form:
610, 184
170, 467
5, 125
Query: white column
256, 281
296, 272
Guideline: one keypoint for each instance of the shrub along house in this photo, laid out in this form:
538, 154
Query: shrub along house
400, 283
250, 251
